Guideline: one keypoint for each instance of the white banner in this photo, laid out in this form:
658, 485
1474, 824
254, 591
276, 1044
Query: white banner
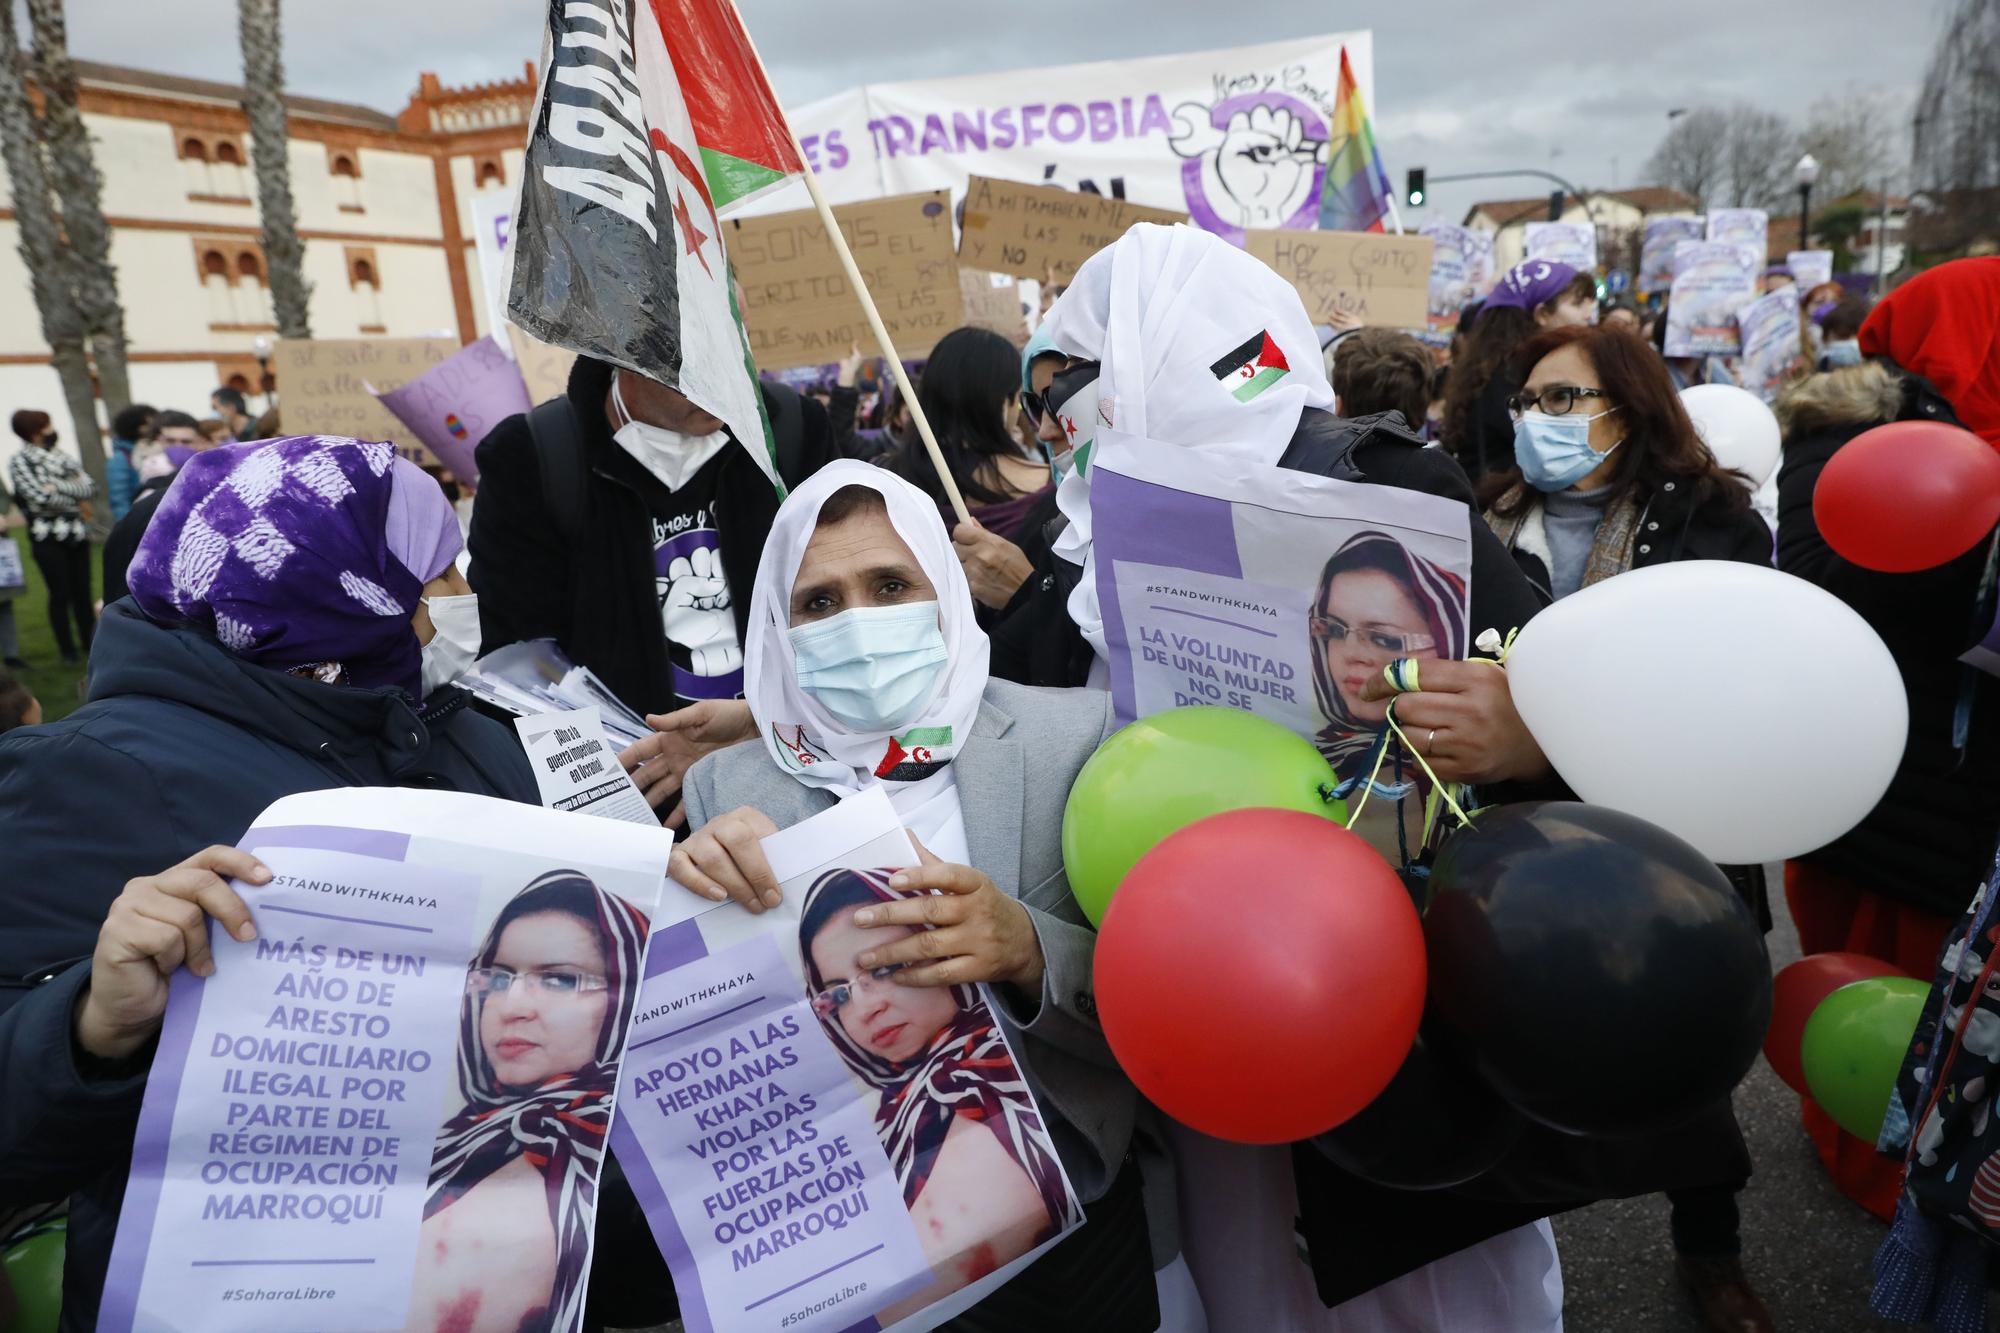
1237, 138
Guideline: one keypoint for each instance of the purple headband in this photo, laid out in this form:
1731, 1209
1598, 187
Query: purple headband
1528, 284
299, 551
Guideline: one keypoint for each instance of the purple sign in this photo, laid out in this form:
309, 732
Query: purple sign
452, 406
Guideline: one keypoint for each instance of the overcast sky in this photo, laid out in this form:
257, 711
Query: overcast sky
1581, 87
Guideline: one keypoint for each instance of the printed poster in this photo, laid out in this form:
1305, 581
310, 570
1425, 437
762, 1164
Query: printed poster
1810, 268
1656, 249
1770, 331
1711, 283
815, 1146
1269, 590
1746, 228
388, 1111
1461, 273
1572, 243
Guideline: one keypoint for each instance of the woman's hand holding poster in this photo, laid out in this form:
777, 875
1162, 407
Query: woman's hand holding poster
814, 1145
1273, 591
388, 1110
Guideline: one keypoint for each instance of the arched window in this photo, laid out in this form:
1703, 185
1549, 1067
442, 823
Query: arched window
364, 279
489, 172
196, 173
217, 288
253, 297
346, 183
240, 382
194, 148
231, 180
227, 151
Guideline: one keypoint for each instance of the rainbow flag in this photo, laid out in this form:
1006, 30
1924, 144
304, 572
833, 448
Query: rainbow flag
1356, 194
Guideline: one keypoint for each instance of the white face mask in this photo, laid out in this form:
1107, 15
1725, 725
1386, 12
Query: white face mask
667, 454
455, 644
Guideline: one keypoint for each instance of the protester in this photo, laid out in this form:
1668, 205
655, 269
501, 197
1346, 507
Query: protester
232, 412
177, 440
12, 585
995, 565
625, 523
843, 414
863, 629
1610, 476
970, 392
547, 1000
1687, 371
178, 430
18, 705
1840, 333
316, 658
1381, 370
52, 490
131, 426
1893, 886
1620, 314
1535, 294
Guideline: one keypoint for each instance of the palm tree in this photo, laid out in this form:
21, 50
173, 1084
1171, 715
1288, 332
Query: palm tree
264, 103
43, 251
72, 175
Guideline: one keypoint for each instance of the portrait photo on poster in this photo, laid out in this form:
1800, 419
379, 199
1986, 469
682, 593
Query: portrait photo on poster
389, 1110
815, 1144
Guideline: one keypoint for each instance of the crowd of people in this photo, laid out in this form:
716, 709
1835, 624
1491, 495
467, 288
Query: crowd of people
773, 642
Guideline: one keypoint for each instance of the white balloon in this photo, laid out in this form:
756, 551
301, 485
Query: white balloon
1748, 711
1738, 428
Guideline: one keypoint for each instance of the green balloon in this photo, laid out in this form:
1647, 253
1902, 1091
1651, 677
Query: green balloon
1853, 1049
1164, 772
34, 1270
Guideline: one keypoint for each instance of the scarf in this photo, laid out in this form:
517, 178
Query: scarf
965, 1070
1944, 324
559, 1126
1434, 590
1528, 284
299, 552
1611, 550
1198, 345
802, 738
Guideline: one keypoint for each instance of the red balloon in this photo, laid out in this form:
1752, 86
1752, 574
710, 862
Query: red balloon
1797, 991
1909, 495
1260, 975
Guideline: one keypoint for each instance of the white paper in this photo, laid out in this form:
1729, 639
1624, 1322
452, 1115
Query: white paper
577, 769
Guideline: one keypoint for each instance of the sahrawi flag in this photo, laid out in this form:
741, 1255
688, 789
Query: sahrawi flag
652, 117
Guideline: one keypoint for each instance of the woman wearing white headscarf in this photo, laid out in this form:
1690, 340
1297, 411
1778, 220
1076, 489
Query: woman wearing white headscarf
865, 667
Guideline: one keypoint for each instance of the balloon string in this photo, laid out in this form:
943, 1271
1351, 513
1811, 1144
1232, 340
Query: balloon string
1438, 786
1381, 751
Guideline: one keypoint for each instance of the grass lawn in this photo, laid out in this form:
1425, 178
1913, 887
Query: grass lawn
53, 681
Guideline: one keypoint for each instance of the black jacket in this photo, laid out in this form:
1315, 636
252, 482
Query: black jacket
1930, 840
123, 543
1036, 643
181, 746
1674, 526
597, 598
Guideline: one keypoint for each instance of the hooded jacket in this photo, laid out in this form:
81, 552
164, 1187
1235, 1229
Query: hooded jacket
1929, 841
181, 746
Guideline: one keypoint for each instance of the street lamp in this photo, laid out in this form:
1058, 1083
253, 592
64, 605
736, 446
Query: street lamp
1807, 172
261, 348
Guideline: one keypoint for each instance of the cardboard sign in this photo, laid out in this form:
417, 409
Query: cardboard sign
323, 385
797, 304
544, 369
1383, 280
993, 301
1039, 231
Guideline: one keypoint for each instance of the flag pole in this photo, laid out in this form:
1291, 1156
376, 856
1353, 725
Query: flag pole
860, 286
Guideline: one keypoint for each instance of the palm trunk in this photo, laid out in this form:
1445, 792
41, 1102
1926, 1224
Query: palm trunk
43, 251
264, 103
74, 179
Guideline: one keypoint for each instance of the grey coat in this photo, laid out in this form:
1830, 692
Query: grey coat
1013, 827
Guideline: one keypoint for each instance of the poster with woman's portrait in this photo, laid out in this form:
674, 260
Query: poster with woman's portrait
390, 1109
816, 1146
1273, 591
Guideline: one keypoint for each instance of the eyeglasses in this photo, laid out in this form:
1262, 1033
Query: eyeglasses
1035, 406
1557, 400
1337, 630
840, 993
550, 981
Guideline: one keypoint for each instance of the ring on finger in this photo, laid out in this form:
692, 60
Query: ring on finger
1430, 742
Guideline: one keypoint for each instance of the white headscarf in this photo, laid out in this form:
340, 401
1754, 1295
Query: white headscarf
803, 738
1160, 310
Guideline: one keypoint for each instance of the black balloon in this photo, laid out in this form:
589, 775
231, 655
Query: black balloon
1600, 973
1437, 1124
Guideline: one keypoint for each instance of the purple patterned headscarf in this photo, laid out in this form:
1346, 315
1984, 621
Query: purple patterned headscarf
300, 551
1528, 284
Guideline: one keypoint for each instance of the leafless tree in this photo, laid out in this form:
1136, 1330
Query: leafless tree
264, 103
1758, 159
1859, 141
1957, 121
85, 239
1690, 158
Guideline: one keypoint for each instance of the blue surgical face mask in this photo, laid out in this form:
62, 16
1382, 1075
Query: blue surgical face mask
1842, 352
1554, 452
873, 667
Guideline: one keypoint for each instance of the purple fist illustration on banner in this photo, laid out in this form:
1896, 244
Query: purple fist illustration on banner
1255, 160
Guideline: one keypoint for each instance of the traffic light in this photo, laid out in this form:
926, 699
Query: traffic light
1415, 187
1555, 205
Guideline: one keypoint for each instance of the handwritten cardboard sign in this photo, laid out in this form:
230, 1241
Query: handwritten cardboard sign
797, 303
1039, 231
323, 385
544, 369
993, 301
1381, 279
